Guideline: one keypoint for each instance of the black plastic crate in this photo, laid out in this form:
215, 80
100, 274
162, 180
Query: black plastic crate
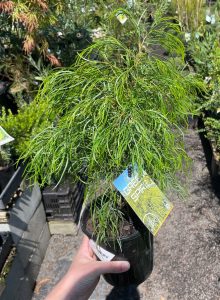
5, 247
63, 202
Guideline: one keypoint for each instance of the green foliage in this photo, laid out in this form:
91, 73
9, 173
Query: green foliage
29, 121
5, 156
205, 51
189, 12
106, 214
120, 104
204, 47
213, 132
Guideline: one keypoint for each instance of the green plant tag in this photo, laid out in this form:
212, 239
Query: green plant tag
145, 198
4, 137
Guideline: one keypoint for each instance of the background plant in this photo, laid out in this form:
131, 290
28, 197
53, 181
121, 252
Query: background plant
205, 51
33, 37
213, 132
29, 120
5, 156
189, 12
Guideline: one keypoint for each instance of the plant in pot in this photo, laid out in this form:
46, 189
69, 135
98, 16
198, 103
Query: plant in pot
119, 106
19, 126
29, 120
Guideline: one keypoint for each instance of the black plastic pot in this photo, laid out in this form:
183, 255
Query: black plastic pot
11, 186
5, 247
136, 248
5, 175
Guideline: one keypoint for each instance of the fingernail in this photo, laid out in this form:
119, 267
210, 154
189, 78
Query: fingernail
125, 266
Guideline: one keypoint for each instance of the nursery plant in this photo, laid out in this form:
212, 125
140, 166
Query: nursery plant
213, 132
5, 157
205, 50
189, 13
35, 36
20, 126
28, 121
120, 106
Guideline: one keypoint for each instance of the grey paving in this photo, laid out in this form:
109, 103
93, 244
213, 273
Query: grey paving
187, 248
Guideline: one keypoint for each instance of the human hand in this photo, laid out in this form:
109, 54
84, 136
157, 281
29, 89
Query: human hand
83, 275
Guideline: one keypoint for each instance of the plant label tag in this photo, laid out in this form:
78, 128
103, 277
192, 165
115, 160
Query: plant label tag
101, 253
145, 198
4, 137
122, 18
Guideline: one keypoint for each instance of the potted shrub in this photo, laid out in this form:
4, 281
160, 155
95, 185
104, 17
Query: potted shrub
120, 106
20, 126
29, 120
205, 50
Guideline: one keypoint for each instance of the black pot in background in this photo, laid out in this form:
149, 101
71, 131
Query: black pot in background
10, 183
136, 248
5, 175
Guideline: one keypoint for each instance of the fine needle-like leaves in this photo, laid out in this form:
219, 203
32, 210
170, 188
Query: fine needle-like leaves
118, 105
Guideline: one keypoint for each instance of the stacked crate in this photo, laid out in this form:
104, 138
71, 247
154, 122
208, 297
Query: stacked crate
63, 202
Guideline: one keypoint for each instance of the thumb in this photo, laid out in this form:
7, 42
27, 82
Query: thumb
112, 267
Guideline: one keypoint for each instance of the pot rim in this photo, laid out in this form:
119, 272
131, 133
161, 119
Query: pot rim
83, 222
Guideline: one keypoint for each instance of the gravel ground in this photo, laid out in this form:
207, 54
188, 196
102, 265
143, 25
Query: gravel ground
187, 247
